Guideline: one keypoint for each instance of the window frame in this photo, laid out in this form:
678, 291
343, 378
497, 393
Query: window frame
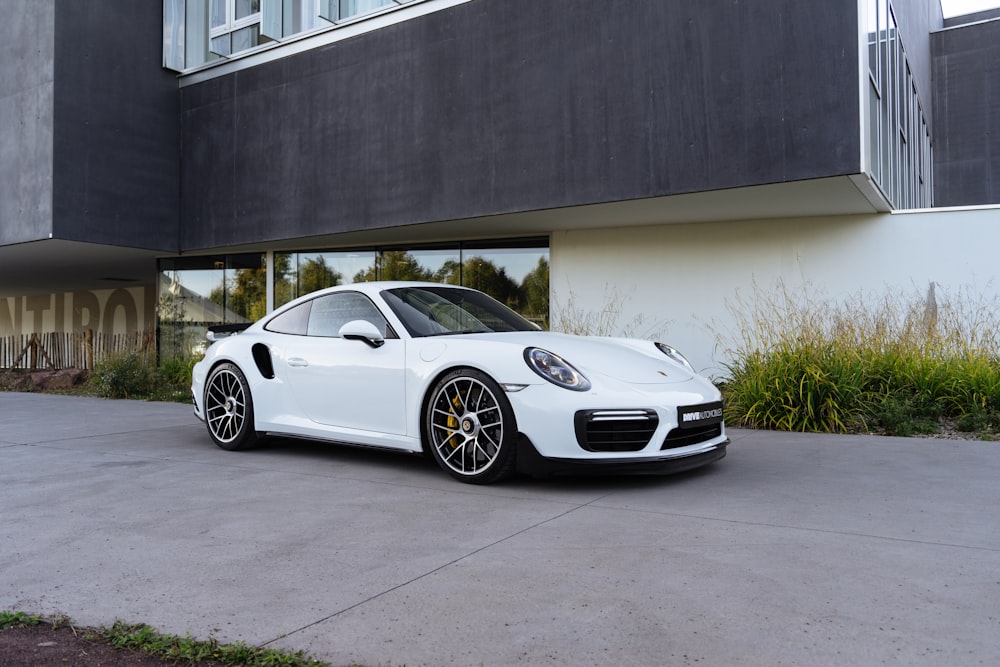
294, 313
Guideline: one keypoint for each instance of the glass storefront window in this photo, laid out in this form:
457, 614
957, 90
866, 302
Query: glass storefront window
517, 277
185, 308
296, 274
198, 292
420, 264
245, 293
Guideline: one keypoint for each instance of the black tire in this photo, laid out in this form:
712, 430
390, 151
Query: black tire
229, 408
469, 428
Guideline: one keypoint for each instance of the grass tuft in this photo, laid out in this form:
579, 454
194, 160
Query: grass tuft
18, 619
897, 364
143, 638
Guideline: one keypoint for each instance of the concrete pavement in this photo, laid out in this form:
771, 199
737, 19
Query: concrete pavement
795, 549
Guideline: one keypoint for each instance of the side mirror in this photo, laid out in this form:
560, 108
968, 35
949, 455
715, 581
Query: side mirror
363, 331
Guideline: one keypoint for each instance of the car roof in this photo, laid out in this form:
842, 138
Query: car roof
369, 288
380, 285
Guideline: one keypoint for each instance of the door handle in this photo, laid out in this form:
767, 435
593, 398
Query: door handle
297, 362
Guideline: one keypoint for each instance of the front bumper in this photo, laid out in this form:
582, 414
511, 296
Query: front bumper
530, 462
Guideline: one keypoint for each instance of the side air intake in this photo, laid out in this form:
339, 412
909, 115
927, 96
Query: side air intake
262, 357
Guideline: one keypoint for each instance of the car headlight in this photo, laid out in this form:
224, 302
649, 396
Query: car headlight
555, 369
675, 356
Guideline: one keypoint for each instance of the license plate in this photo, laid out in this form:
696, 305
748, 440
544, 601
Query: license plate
690, 416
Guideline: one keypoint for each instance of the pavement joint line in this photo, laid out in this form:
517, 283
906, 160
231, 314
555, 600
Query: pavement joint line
845, 533
431, 572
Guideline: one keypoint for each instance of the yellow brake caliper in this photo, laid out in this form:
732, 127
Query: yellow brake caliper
454, 441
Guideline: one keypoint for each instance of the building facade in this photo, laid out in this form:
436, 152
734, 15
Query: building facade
636, 165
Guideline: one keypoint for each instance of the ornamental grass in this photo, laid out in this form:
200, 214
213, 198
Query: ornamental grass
895, 363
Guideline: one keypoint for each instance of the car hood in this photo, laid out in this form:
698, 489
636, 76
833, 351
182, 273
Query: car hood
626, 360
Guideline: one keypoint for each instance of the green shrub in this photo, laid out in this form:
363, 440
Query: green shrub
126, 375
130, 375
906, 415
890, 364
176, 371
173, 379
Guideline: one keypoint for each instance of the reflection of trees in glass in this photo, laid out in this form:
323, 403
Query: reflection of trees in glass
482, 274
182, 316
312, 274
284, 281
246, 294
395, 265
170, 316
450, 273
536, 294
530, 298
316, 274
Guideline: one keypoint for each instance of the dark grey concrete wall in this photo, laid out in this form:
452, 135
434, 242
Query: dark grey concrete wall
520, 105
972, 18
116, 163
967, 108
26, 91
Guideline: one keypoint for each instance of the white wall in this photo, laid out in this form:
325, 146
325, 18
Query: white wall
678, 278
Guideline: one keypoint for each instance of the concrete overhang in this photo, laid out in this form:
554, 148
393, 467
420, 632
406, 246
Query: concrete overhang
841, 195
52, 265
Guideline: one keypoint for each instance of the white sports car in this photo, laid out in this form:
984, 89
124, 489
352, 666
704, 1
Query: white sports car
425, 367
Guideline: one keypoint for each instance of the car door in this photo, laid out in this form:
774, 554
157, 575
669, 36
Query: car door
345, 383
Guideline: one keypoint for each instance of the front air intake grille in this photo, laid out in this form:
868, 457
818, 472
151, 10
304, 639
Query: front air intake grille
682, 437
615, 430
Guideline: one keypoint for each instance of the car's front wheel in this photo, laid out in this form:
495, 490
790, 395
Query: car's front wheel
229, 408
470, 427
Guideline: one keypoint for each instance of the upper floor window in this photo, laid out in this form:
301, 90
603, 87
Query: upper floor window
898, 139
198, 32
234, 25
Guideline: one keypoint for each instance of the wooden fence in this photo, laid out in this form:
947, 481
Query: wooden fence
83, 349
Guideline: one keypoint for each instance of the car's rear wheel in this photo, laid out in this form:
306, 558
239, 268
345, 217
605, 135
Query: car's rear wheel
470, 427
229, 408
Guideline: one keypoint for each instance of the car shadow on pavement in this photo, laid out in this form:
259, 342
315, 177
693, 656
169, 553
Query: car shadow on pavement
344, 458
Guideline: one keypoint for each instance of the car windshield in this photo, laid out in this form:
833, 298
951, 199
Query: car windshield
441, 311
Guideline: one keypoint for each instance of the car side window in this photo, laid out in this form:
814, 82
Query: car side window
293, 321
331, 312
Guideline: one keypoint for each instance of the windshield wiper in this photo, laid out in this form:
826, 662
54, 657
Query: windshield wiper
463, 331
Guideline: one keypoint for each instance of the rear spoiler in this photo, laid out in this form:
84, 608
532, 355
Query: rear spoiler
220, 331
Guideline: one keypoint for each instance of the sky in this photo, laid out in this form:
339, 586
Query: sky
959, 7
